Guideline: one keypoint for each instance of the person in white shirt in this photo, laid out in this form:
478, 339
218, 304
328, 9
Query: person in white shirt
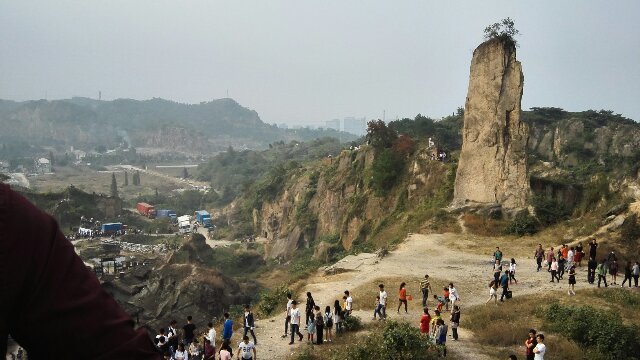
295, 322
287, 316
246, 349
453, 295
211, 334
540, 349
349, 302
570, 256
383, 302
181, 353
512, 271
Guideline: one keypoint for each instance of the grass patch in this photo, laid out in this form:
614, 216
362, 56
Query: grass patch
483, 226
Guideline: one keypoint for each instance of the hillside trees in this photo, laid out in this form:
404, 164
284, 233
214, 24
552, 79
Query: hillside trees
114, 185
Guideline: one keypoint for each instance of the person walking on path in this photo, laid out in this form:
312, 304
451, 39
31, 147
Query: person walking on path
627, 274
425, 287
539, 256
601, 270
572, 280
295, 322
530, 344
593, 248
441, 336
592, 264
383, 302
512, 271
328, 326
562, 262
249, 324
453, 295
497, 270
455, 321
493, 292
579, 254
425, 319
309, 308
635, 272
402, 298
498, 254
246, 349
549, 258
287, 316
227, 329
554, 270
613, 270
504, 282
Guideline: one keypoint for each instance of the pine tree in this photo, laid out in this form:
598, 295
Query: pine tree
126, 179
114, 185
185, 174
51, 160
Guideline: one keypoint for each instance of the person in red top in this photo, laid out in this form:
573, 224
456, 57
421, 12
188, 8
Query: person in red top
48, 297
403, 297
425, 319
446, 298
565, 251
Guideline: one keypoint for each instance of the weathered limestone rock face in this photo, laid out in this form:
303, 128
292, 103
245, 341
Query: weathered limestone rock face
493, 161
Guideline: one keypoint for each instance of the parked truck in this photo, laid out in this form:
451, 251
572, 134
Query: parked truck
111, 228
203, 218
146, 210
167, 214
184, 224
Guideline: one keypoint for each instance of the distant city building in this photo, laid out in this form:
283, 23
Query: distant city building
283, 126
4, 167
333, 124
356, 126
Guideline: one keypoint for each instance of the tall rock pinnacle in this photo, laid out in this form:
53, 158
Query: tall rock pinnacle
493, 162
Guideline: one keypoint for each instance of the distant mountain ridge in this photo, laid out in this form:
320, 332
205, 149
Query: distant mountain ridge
155, 123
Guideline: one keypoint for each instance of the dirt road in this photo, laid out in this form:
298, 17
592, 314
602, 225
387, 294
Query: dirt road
419, 254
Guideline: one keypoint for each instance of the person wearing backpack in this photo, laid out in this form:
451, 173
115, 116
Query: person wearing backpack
504, 282
329, 324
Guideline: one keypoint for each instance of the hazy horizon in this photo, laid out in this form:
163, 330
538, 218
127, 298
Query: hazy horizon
305, 63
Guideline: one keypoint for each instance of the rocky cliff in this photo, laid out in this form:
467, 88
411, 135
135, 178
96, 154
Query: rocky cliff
493, 161
332, 199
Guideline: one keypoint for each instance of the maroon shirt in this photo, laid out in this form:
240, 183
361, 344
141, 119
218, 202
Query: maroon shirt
50, 303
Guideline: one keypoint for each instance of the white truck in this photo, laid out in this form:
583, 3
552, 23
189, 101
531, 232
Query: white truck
184, 224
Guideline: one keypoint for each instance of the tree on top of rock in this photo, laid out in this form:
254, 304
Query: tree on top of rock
504, 30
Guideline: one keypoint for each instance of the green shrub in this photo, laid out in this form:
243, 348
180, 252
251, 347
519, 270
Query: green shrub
397, 340
522, 224
598, 330
270, 299
386, 168
630, 230
352, 323
549, 211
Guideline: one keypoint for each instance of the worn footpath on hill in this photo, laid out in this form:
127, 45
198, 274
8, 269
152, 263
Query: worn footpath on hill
419, 254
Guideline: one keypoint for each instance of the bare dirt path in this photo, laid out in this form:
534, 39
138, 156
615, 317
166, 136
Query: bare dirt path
417, 255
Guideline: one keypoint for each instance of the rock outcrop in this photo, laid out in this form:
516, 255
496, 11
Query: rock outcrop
493, 160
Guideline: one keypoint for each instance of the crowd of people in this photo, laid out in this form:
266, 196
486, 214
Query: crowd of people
187, 344
321, 325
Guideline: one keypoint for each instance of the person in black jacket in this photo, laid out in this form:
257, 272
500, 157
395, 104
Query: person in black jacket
249, 323
309, 314
455, 321
591, 268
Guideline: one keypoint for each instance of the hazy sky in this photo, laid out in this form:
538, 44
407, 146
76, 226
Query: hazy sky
309, 61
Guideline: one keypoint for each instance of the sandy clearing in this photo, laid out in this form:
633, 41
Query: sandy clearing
417, 255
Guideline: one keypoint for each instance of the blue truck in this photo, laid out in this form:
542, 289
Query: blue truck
167, 214
111, 228
203, 218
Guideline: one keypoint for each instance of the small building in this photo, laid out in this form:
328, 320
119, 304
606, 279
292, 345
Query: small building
43, 166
